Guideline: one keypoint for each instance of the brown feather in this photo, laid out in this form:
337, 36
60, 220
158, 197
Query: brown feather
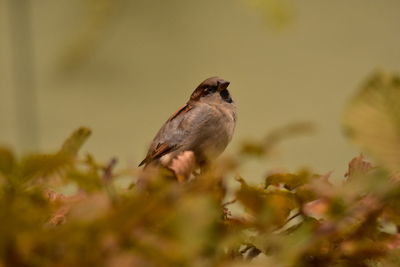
202, 90
160, 151
182, 110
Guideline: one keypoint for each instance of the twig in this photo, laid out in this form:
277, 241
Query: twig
107, 170
229, 202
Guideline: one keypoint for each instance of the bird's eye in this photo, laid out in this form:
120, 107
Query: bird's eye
212, 89
209, 90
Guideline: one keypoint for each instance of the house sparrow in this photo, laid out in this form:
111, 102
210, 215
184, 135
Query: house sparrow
197, 133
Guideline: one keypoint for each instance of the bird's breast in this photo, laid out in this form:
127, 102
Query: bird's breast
214, 131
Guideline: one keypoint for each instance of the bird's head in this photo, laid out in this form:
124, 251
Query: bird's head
213, 89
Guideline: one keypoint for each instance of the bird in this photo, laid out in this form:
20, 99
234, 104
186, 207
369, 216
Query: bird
197, 133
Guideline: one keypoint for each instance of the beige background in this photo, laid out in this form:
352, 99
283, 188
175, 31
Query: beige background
122, 67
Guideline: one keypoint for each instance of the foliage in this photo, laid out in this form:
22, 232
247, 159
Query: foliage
293, 219
373, 119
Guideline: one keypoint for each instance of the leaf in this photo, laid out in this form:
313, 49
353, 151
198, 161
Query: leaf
43, 165
289, 180
252, 148
372, 120
72, 145
265, 146
251, 197
47, 164
277, 13
358, 167
88, 181
268, 206
317, 208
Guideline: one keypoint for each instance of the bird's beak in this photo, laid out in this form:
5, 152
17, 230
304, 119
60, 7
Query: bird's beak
222, 85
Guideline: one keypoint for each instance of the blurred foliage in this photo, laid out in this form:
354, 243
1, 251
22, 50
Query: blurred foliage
293, 219
98, 15
278, 13
373, 119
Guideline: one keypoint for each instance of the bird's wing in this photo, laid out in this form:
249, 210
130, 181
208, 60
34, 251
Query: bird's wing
160, 150
180, 111
157, 150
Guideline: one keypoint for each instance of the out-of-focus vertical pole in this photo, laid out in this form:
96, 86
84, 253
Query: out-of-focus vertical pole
20, 13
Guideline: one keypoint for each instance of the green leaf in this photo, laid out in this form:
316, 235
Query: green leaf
289, 180
270, 207
372, 119
43, 165
89, 181
72, 145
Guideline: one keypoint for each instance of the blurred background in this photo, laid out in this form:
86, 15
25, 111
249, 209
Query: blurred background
122, 67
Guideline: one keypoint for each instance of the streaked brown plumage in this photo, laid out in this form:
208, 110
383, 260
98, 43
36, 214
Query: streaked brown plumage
204, 126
